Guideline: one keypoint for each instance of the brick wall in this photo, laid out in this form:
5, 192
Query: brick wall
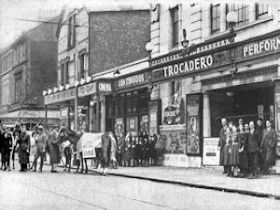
117, 38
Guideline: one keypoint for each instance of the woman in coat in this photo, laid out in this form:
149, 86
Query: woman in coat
53, 148
23, 142
7, 147
113, 151
243, 151
268, 147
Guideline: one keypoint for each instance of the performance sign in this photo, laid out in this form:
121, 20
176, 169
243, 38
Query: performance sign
133, 80
90, 141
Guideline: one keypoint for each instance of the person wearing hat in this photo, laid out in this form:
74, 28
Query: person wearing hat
41, 142
23, 140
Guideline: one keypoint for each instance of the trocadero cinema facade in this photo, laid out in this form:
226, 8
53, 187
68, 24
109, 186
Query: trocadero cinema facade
183, 95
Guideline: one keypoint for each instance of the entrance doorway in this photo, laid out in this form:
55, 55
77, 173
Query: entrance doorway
248, 102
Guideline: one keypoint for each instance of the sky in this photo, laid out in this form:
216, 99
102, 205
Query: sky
11, 29
10, 10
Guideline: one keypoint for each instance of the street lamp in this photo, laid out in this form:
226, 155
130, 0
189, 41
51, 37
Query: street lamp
185, 42
149, 49
44, 93
231, 20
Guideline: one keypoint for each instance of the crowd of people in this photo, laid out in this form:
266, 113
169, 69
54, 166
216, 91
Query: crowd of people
127, 151
20, 141
247, 150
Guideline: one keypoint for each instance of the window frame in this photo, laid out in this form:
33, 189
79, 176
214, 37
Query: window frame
174, 16
263, 14
217, 18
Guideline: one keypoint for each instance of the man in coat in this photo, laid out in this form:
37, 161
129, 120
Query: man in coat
260, 130
268, 147
106, 143
222, 142
253, 150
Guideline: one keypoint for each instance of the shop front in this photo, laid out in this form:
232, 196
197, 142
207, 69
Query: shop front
91, 105
199, 87
65, 101
127, 109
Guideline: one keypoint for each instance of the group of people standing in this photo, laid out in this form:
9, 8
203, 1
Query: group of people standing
247, 150
20, 141
128, 151
138, 151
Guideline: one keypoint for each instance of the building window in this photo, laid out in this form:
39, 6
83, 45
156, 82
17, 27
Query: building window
66, 72
62, 79
71, 32
261, 11
215, 18
175, 26
82, 66
18, 88
242, 12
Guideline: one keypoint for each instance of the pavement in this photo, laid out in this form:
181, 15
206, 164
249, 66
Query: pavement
206, 178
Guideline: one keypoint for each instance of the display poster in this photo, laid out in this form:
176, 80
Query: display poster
90, 141
193, 124
211, 152
144, 123
173, 139
154, 116
119, 127
175, 111
132, 125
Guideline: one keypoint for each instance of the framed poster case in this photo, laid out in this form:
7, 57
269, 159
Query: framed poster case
194, 124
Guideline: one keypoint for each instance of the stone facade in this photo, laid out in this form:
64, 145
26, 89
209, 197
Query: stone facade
28, 66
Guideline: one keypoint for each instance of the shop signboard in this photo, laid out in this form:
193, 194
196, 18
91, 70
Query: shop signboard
60, 96
132, 80
262, 47
104, 87
211, 151
87, 90
90, 141
194, 124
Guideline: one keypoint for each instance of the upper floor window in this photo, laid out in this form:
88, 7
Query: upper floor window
71, 32
242, 12
82, 65
64, 73
175, 25
215, 18
261, 11
62, 79
18, 87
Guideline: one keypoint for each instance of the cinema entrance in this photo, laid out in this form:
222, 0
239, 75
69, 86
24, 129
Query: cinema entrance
249, 102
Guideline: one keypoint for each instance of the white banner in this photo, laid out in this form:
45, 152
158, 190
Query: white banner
90, 141
211, 152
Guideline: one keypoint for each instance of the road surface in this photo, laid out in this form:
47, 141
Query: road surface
34, 191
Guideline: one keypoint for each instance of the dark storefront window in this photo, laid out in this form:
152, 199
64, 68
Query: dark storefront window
215, 18
261, 11
248, 103
175, 25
